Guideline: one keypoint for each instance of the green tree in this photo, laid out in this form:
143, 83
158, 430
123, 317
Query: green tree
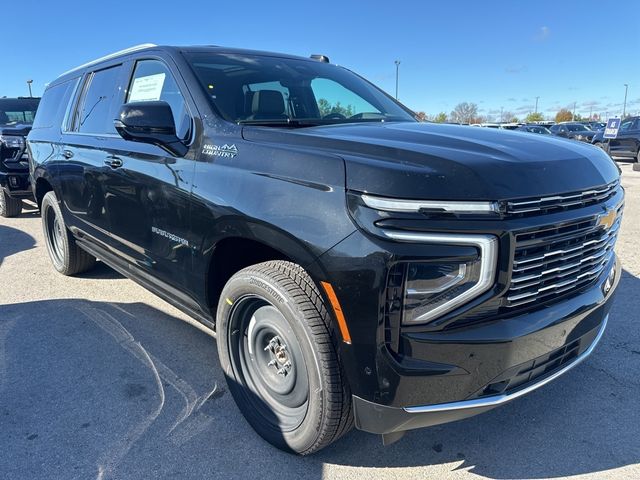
534, 117
326, 108
440, 118
563, 115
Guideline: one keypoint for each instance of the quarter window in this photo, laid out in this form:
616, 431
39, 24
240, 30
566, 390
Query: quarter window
94, 114
152, 81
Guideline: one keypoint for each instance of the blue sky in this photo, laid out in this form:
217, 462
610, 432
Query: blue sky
496, 54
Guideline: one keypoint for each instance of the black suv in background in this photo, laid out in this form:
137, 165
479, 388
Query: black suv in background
574, 131
627, 142
356, 265
16, 117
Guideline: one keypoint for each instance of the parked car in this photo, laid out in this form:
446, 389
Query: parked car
16, 117
534, 129
575, 131
595, 126
356, 265
626, 144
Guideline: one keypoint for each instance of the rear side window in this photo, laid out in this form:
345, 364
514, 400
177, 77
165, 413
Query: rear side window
94, 113
153, 81
53, 105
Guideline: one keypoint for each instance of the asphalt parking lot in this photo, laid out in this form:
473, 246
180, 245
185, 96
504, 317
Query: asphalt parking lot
101, 379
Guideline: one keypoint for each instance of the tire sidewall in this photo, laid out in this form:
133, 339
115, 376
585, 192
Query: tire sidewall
259, 284
50, 206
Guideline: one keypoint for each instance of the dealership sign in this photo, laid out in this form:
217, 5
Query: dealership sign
611, 130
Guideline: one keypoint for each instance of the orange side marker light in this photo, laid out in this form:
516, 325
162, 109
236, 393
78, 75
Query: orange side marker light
335, 304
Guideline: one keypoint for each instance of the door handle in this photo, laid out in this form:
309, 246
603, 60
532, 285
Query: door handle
67, 154
113, 162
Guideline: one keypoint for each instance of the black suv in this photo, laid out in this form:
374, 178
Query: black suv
356, 265
627, 142
574, 131
16, 117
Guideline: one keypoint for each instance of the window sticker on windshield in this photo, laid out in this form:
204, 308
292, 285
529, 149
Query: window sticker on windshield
147, 89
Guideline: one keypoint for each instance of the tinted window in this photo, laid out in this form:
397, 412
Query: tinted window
626, 125
14, 111
94, 114
53, 104
152, 81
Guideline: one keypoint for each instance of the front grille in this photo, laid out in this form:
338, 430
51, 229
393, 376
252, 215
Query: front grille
566, 201
558, 259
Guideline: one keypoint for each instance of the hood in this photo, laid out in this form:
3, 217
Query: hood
21, 129
451, 162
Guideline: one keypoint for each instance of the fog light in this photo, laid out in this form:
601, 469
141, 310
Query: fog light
13, 181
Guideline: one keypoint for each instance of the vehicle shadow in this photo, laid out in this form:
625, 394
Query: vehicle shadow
13, 241
115, 390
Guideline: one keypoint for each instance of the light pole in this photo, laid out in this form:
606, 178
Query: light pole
573, 115
29, 82
537, 104
624, 108
397, 62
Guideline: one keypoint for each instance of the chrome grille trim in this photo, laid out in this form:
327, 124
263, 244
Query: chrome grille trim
573, 260
595, 195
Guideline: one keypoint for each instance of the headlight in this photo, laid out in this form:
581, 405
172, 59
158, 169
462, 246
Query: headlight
399, 205
435, 288
12, 141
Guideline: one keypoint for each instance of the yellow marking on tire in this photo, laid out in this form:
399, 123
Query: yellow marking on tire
229, 301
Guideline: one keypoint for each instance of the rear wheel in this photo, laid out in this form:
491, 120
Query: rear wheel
9, 206
279, 357
67, 257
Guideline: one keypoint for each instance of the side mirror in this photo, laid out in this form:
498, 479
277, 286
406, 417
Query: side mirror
150, 122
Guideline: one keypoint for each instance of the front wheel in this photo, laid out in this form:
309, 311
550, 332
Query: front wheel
279, 358
9, 206
67, 257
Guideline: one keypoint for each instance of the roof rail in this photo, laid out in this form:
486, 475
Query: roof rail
111, 55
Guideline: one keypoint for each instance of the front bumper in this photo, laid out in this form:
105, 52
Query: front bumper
16, 182
580, 332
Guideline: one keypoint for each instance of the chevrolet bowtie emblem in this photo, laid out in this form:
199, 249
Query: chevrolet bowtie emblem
607, 220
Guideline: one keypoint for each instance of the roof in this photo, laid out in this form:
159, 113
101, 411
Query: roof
191, 49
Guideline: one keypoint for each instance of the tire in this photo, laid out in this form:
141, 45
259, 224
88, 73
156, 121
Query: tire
280, 359
65, 254
9, 206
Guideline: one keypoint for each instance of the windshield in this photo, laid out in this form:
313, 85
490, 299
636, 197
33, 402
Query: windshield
276, 91
577, 128
541, 130
15, 111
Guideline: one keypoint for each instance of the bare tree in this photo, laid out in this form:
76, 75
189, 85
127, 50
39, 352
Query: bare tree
464, 112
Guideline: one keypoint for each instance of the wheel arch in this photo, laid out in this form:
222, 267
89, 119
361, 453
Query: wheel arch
247, 245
